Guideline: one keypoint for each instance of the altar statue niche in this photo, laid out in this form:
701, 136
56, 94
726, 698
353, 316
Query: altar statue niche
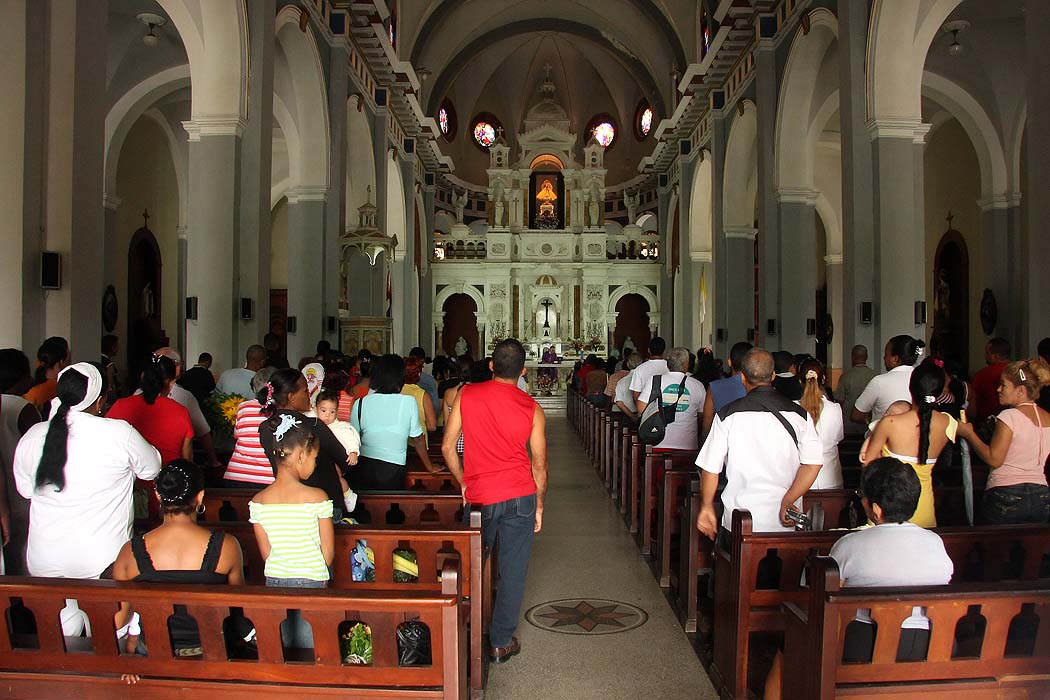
951, 292
547, 197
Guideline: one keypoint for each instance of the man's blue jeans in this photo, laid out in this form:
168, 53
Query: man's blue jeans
511, 523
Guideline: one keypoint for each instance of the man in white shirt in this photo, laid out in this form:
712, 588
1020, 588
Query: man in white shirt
770, 451
899, 357
684, 432
656, 364
239, 379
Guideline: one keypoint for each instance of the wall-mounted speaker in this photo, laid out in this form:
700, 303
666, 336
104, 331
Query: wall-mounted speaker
330, 324
750, 335
191, 308
920, 313
50, 270
720, 335
867, 312
771, 326
247, 308
811, 326
290, 324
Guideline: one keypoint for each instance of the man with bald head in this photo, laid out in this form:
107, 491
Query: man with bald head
852, 384
769, 449
239, 379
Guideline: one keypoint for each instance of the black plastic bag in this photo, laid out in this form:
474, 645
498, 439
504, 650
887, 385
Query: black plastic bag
413, 644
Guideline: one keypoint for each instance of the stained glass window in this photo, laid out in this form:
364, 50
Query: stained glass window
605, 133
443, 120
645, 122
484, 134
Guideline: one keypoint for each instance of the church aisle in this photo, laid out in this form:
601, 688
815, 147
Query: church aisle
584, 552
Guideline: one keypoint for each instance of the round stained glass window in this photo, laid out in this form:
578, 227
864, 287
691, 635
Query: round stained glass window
443, 120
645, 122
604, 133
484, 134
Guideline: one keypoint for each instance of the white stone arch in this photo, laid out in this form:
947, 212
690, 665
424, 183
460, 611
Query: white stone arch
178, 159
131, 105
978, 126
215, 35
899, 36
396, 223
360, 160
634, 288
461, 288
648, 222
701, 229
1016, 139
290, 130
832, 226
443, 222
739, 190
799, 123
299, 83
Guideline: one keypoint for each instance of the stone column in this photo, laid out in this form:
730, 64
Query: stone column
74, 226
211, 253
900, 255
1036, 250
110, 204
306, 219
409, 306
1001, 266
253, 240
335, 209
681, 306
718, 287
859, 267
180, 332
798, 274
426, 274
833, 273
740, 268
769, 236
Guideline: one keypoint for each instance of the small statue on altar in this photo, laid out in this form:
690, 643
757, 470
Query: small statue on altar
497, 198
593, 208
460, 202
628, 346
546, 217
461, 347
630, 202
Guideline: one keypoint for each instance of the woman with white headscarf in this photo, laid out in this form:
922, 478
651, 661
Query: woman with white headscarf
78, 470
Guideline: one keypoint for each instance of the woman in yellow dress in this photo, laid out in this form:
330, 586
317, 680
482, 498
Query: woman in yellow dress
918, 436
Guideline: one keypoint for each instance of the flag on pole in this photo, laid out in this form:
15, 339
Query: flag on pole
702, 308
389, 294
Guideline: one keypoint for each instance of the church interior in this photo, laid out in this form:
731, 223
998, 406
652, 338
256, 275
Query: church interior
378, 175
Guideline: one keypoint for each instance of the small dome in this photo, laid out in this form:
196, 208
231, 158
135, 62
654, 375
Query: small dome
547, 111
546, 281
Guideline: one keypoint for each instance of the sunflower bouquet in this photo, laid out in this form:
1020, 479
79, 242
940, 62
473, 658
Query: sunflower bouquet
221, 412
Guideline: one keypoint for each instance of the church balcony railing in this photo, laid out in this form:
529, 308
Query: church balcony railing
546, 246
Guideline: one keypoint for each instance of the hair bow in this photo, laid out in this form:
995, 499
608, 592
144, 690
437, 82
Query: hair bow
930, 399
269, 393
287, 423
811, 374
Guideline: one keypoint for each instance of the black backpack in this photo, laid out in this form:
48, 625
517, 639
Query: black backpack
654, 420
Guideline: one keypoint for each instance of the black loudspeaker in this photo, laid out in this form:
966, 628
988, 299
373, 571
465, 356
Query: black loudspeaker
50, 270
721, 334
771, 326
866, 313
191, 308
290, 324
750, 335
247, 308
920, 313
811, 326
330, 323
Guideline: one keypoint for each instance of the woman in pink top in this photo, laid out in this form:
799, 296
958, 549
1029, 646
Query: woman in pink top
1017, 491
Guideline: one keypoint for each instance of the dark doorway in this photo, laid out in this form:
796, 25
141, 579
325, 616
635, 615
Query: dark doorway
632, 321
461, 321
279, 318
951, 300
145, 296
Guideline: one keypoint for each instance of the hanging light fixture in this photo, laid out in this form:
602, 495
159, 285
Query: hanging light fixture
152, 21
953, 28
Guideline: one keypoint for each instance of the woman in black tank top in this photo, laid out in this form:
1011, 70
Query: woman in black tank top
187, 553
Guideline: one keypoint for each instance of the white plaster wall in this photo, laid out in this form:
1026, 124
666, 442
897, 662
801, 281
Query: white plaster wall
279, 246
12, 150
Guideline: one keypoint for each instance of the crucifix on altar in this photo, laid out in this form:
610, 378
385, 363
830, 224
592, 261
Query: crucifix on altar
547, 304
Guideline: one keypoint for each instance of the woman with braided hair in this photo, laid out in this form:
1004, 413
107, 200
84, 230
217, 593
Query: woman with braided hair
1017, 490
918, 436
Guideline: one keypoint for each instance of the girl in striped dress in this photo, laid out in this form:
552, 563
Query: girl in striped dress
293, 522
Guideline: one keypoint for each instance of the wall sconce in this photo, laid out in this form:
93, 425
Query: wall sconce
771, 326
811, 326
920, 313
867, 312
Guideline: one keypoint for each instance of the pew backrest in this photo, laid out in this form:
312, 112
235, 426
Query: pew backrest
383, 507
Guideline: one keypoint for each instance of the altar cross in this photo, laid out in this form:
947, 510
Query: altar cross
547, 304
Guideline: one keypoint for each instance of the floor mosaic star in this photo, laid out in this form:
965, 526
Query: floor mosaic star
586, 616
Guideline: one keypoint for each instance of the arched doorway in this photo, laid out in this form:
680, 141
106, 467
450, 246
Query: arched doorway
460, 321
145, 295
951, 295
632, 321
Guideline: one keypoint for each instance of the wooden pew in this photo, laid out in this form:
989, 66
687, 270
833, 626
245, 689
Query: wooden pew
626, 437
612, 453
1006, 667
631, 490
981, 553
433, 546
674, 494
422, 480
652, 503
49, 666
695, 558
389, 507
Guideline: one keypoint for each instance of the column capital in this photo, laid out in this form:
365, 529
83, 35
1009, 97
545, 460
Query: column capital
700, 256
110, 201
897, 128
1003, 200
181, 232
742, 232
214, 125
833, 259
797, 195
307, 194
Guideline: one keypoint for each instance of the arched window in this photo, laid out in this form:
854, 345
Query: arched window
486, 129
448, 124
643, 120
603, 129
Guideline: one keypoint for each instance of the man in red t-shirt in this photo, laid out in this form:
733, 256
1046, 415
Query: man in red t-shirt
986, 382
498, 420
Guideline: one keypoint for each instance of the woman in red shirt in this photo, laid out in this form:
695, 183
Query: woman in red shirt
163, 422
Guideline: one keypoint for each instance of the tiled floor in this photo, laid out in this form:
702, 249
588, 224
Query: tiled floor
584, 551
